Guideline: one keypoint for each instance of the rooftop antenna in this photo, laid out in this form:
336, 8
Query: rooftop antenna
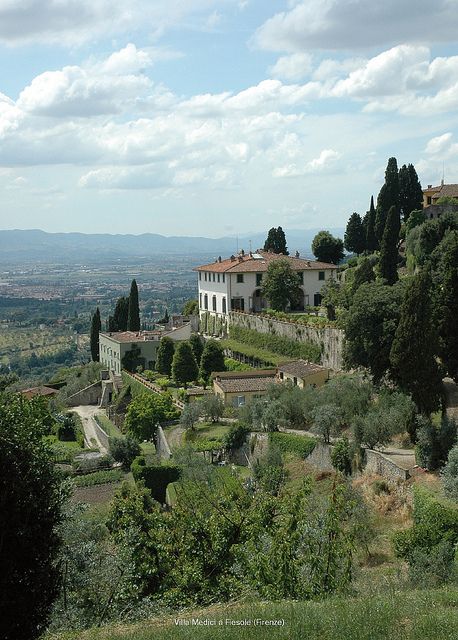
443, 173
237, 240
250, 245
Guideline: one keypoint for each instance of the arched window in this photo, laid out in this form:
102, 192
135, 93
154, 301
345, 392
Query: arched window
224, 305
206, 301
214, 303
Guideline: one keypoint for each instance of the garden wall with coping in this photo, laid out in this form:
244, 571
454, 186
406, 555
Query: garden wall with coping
329, 339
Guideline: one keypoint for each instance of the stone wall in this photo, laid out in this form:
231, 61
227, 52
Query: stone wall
320, 458
103, 437
162, 446
329, 339
89, 395
377, 463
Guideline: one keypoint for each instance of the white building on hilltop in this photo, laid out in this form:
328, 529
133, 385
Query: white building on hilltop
235, 284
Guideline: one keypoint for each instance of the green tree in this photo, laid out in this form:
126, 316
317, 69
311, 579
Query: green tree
212, 407
280, 284
450, 474
197, 346
124, 450
276, 241
118, 321
165, 356
415, 219
410, 191
372, 243
212, 359
447, 303
96, 327
146, 412
191, 308
388, 264
31, 499
370, 326
133, 318
6, 380
341, 456
184, 365
415, 345
388, 197
327, 419
327, 248
364, 272
354, 238
190, 415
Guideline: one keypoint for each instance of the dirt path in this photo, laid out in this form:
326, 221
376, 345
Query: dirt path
87, 413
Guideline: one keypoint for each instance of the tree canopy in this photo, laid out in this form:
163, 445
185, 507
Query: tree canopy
118, 321
212, 359
165, 356
355, 237
276, 241
388, 197
410, 191
280, 284
327, 248
184, 365
388, 264
133, 319
145, 412
96, 327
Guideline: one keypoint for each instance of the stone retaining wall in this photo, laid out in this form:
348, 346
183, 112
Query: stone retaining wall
378, 463
162, 446
329, 339
89, 395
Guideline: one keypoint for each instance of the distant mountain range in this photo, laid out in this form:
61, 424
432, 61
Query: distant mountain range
33, 245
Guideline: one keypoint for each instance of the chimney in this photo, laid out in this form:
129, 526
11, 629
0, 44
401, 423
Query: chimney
430, 186
240, 258
232, 258
242, 252
308, 263
297, 254
219, 258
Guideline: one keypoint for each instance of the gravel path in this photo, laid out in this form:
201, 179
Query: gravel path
87, 413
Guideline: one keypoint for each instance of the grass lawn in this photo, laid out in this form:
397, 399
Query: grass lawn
405, 615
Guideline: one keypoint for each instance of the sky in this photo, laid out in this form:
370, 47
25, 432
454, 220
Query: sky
217, 117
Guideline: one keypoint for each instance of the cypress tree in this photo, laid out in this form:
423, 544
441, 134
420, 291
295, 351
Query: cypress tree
388, 197
415, 345
96, 326
447, 307
165, 356
372, 243
196, 346
363, 273
184, 365
133, 319
410, 191
212, 359
389, 247
118, 321
276, 241
354, 238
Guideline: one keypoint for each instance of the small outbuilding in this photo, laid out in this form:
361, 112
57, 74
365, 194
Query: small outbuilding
303, 373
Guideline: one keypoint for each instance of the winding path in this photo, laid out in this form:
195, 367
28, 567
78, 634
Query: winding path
87, 413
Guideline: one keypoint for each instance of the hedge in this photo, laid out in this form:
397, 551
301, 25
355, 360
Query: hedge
276, 344
302, 446
155, 477
98, 477
265, 358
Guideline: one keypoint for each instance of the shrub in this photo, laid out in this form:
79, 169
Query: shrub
450, 474
88, 464
380, 486
235, 437
124, 450
155, 477
98, 477
341, 456
301, 446
277, 344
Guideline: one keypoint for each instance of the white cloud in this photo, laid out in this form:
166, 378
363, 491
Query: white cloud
438, 144
73, 22
293, 67
324, 162
351, 24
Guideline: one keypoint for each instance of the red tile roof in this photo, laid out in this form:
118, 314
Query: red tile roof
133, 336
38, 391
259, 261
300, 368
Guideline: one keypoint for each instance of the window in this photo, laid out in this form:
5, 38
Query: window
214, 277
200, 275
214, 303
239, 401
205, 276
428, 200
321, 275
206, 301
224, 277
239, 277
218, 277
281, 375
200, 301
224, 305
258, 279
295, 381
317, 300
301, 276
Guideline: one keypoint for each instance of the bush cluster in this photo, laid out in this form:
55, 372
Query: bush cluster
277, 344
155, 477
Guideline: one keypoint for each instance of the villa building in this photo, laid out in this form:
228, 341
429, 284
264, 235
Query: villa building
432, 194
235, 284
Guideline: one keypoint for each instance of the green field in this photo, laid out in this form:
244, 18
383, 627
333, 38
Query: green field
402, 615
22, 342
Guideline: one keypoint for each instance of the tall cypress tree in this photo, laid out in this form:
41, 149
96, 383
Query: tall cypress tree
388, 197
118, 321
415, 346
133, 319
447, 307
354, 238
276, 241
389, 247
184, 365
410, 191
212, 359
372, 243
165, 356
96, 326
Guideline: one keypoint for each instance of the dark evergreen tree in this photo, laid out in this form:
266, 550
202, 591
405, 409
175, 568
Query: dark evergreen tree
388, 264
276, 241
354, 238
96, 327
31, 498
118, 321
197, 346
410, 191
133, 320
327, 248
364, 272
184, 365
415, 345
212, 359
372, 243
165, 356
388, 197
447, 303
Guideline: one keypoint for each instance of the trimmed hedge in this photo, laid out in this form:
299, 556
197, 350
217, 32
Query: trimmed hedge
155, 477
276, 344
302, 446
98, 477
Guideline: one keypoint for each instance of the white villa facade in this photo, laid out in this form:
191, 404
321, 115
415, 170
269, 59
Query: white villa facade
235, 284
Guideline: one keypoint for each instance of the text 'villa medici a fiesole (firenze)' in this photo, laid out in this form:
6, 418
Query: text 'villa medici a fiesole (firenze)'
236, 284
